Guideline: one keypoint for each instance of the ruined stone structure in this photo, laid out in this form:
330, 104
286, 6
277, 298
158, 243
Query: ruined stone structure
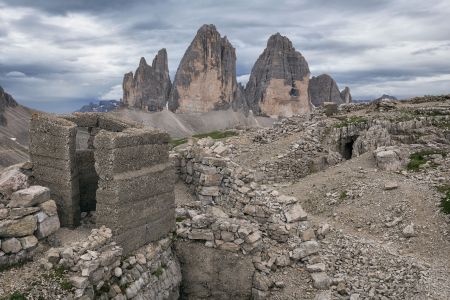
278, 84
149, 88
206, 77
126, 158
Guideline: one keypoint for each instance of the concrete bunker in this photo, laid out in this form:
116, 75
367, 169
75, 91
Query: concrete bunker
121, 170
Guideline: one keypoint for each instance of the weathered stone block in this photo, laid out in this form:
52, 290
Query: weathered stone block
11, 245
28, 241
295, 213
47, 227
18, 228
34, 195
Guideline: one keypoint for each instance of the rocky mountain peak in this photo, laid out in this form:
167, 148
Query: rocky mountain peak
323, 88
149, 88
206, 77
278, 83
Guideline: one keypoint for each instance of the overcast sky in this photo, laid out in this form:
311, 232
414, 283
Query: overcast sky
57, 55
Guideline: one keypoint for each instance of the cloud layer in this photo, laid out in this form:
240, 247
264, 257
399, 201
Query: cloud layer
55, 54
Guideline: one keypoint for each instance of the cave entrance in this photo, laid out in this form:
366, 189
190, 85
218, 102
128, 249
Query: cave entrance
347, 147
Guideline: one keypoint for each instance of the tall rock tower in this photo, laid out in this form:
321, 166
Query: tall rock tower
206, 77
278, 84
323, 88
149, 88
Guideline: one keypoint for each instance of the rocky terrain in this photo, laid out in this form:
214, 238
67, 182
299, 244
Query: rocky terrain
205, 80
101, 106
354, 205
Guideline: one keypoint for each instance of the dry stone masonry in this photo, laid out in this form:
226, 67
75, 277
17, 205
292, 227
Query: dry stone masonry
27, 216
120, 159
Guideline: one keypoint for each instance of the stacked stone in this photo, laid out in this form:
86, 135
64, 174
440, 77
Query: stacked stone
29, 216
270, 227
135, 190
95, 269
52, 149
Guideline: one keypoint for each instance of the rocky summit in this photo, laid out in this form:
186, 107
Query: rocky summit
278, 83
323, 89
149, 88
206, 77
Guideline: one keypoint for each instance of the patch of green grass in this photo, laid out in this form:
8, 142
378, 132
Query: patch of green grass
158, 272
15, 296
343, 195
419, 158
445, 200
58, 275
216, 135
180, 219
178, 142
353, 120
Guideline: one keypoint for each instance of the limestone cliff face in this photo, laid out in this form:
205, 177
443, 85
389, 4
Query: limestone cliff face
278, 84
206, 77
149, 88
322, 89
6, 100
346, 96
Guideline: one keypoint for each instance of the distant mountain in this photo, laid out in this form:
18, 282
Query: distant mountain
101, 106
386, 97
14, 120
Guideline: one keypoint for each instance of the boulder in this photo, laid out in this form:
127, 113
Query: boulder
28, 241
295, 213
389, 158
31, 196
11, 180
17, 228
321, 280
49, 208
47, 227
305, 249
11, 245
278, 83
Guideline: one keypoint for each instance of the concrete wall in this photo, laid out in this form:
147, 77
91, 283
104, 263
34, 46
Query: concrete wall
52, 152
213, 274
135, 196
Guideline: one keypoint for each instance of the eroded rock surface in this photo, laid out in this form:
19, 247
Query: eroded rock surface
278, 83
149, 88
206, 77
323, 88
6, 100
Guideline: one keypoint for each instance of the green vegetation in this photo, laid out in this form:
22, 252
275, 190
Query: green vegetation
343, 195
15, 296
216, 135
419, 158
353, 120
58, 275
178, 142
158, 272
445, 200
179, 219
442, 123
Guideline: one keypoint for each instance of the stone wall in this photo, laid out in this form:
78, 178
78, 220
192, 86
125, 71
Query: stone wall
234, 213
124, 174
52, 151
26, 216
97, 270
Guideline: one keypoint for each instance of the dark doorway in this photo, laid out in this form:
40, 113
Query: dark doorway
348, 150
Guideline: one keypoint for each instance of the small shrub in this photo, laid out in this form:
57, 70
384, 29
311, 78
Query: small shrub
353, 120
15, 296
158, 272
445, 200
179, 219
419, 158
343, 195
